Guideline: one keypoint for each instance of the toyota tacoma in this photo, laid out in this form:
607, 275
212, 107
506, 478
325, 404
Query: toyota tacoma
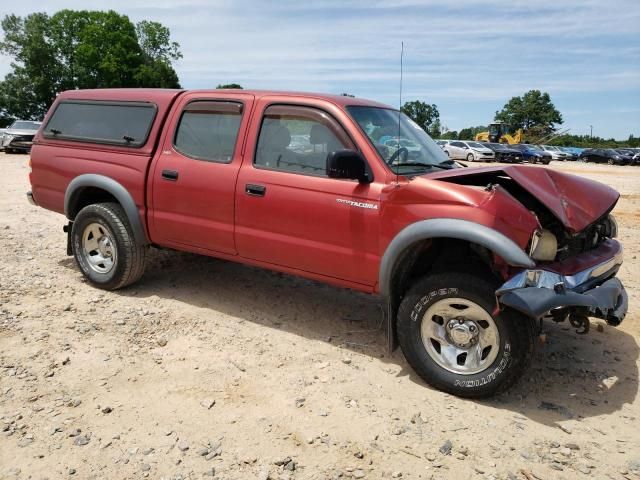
468, 262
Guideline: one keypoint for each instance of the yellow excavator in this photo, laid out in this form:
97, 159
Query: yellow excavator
500, 132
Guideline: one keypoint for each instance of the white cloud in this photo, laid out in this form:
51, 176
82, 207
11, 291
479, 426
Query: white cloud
473, 52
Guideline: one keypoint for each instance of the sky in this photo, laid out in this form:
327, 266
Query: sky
466, 56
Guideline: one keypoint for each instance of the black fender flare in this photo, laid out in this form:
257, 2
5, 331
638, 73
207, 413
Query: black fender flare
114, 188
472, 232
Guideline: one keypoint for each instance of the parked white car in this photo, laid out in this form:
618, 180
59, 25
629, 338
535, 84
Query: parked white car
412, 147
469, 151
555, 152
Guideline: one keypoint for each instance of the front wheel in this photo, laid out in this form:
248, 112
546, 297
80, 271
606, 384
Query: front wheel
450, 336
105, 248
470, 157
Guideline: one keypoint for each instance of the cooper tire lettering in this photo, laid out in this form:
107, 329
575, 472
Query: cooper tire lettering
515, 335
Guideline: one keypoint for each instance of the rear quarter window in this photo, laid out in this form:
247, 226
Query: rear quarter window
116, 123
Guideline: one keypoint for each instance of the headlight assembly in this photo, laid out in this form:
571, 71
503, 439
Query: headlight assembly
544, 246
612, 225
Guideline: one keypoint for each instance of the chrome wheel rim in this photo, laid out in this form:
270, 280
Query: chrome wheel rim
98, 248
460, 336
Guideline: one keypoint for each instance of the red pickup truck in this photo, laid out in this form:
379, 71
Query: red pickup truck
468, 261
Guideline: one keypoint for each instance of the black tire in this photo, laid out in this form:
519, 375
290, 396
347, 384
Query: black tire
516, 336
130, 257
470, 157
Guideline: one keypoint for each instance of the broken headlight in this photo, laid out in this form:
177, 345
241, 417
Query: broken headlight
544, 246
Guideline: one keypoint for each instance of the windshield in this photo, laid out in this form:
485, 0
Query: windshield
412, 151
475, 145
23, 125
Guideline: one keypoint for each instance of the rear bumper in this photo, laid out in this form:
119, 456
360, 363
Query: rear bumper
592, 292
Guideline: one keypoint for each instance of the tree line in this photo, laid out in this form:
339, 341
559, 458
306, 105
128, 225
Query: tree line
80, 49
533, 112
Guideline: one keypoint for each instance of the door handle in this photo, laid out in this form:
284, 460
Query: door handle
255, 190
170, 175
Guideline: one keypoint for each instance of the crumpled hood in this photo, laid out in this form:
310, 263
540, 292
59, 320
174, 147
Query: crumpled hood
576, 201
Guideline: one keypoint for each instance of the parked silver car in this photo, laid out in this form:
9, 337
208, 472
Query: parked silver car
469, 151
555, 152
19, 136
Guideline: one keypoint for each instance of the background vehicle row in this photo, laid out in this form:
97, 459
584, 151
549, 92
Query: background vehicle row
543, 154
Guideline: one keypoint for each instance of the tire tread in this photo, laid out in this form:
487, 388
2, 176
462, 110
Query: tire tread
132, 254
523, 341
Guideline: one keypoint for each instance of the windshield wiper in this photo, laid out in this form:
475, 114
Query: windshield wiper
422, 164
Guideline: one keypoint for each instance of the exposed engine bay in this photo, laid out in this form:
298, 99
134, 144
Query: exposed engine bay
577, 218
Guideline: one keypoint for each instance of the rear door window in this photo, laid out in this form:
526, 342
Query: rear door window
116, 123
208, 130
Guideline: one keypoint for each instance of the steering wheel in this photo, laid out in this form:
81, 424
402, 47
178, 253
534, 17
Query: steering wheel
396, 156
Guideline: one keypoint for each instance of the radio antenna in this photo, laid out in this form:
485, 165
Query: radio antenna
399, 107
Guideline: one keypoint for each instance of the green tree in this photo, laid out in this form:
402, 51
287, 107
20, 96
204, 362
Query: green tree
80, 49
158, 51
425, 115
155, 41
229, 86
533, 110
470, 133
449, 135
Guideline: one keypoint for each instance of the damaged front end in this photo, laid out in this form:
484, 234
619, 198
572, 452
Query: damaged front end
575, 250
565, 293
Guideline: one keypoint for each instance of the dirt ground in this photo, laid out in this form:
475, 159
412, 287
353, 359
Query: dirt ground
208, 368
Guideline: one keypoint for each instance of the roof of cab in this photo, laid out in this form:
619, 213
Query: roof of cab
164, 96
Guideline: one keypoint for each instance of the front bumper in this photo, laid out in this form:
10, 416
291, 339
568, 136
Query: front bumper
17, 143
593, 291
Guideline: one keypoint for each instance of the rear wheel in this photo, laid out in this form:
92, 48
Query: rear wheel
105, 248
450, 336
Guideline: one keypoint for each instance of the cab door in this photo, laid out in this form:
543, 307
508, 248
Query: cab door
194, 175
289, 213
457, 151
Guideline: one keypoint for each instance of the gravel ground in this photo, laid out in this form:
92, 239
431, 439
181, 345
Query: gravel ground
210, 369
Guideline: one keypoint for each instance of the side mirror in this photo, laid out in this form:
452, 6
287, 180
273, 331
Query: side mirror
347, 164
